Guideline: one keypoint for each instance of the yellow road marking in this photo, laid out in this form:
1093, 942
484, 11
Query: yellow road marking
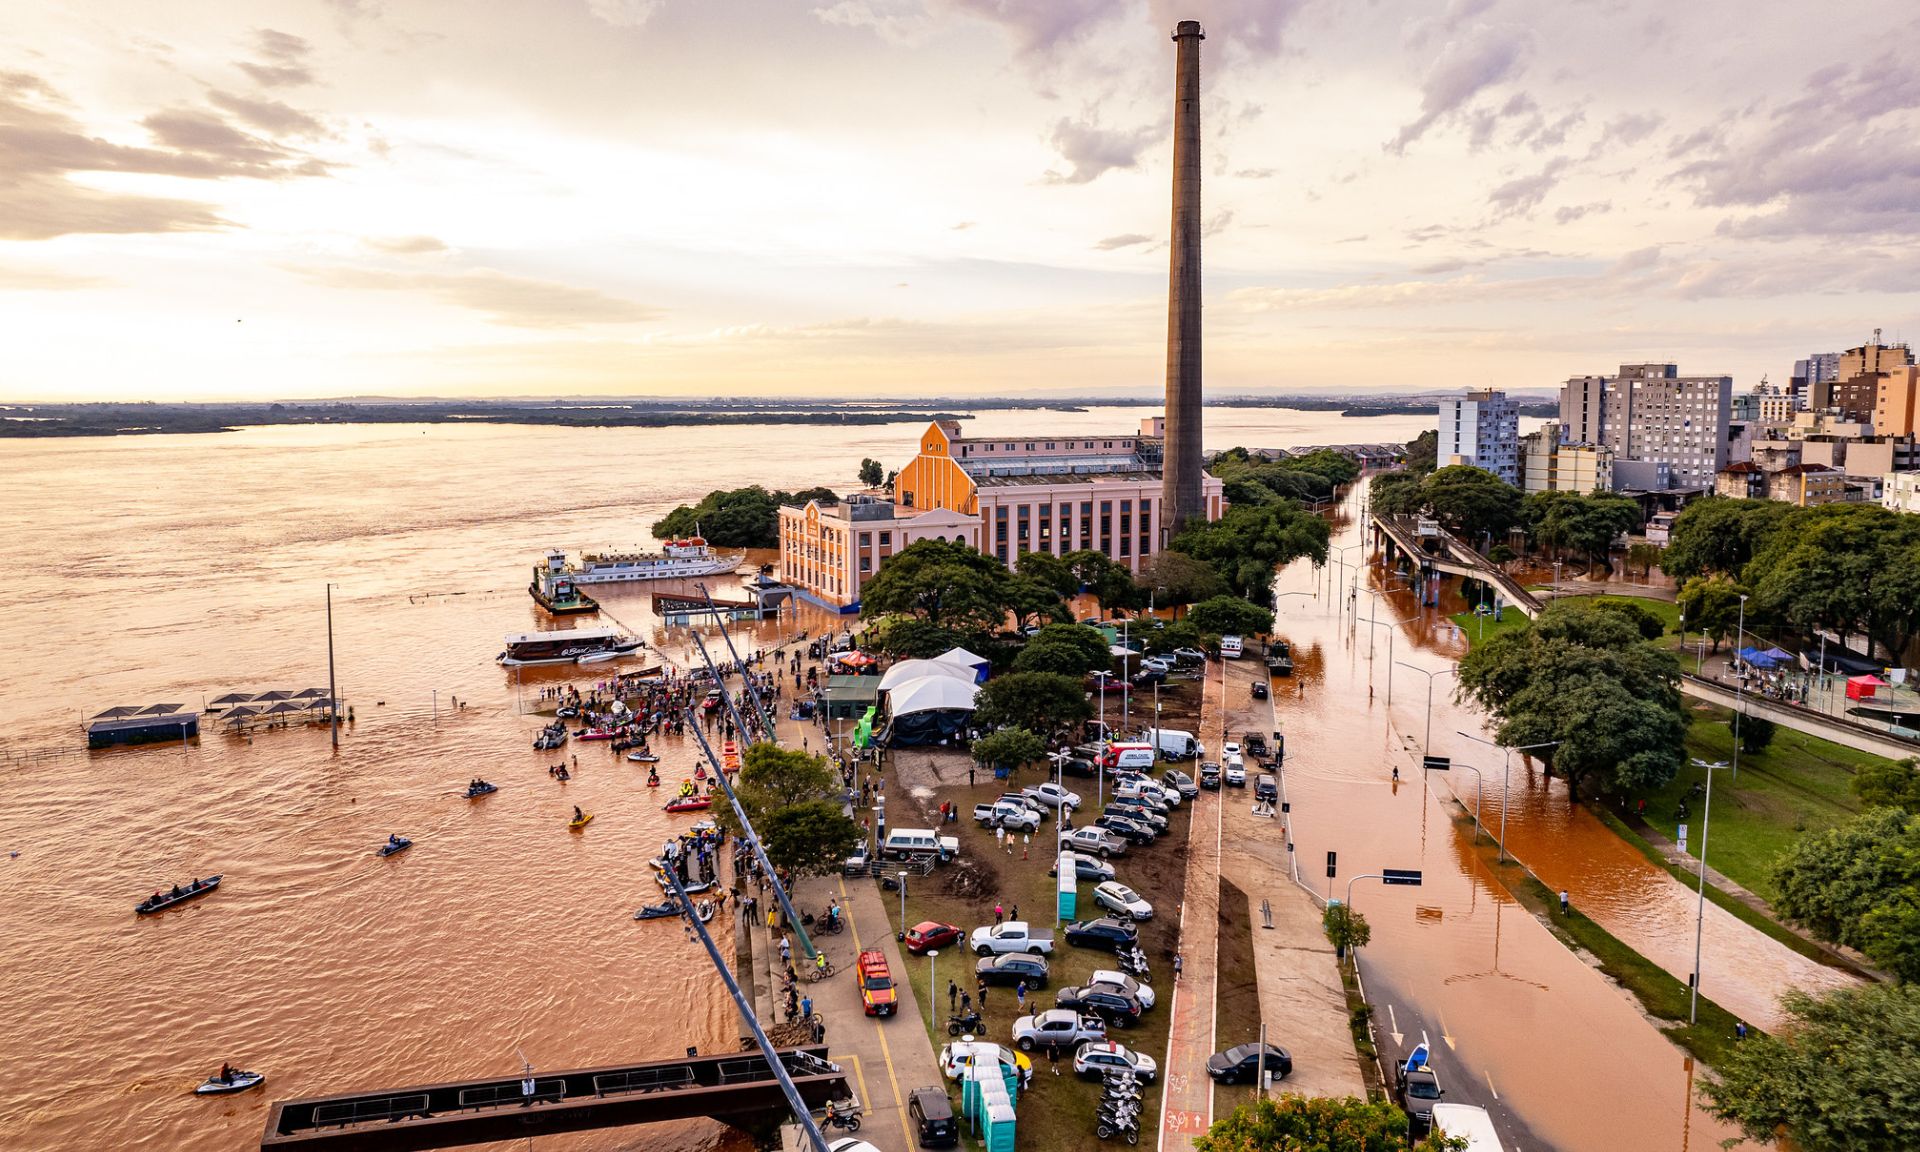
886, 1053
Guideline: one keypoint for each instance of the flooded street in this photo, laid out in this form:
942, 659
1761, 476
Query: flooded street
1503, 1003
178, 568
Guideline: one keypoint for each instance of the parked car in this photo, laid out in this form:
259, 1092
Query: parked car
1155, 822
856, 863
931, 934
1013, 815
1121, 827
1099, 1057
1230, 749
1236, 774
932, 1115
1240, 1063
1023, 800
1052, 795
1087, 868
1158, 664
1011, 969
1096, 841
959, 1055
877, 994
1259, 689
1210, 777
1124, 983
1180, 782
1013, 936
1121, 900
1266, 788
1103, 1000
1105, 934
1149, 676
1057, 1028
1419, 1090
1189, 656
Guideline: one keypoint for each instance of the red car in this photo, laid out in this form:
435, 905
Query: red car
931, 934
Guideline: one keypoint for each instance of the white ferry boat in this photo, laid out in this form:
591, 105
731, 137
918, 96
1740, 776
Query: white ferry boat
677, 560
565, 646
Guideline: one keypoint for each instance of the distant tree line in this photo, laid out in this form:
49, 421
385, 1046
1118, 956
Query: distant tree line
738, 518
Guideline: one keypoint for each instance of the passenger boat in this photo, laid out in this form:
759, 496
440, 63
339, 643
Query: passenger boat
596, 733
563, 646
167, 900
555, 589
691, 804
677, 560
237, 1081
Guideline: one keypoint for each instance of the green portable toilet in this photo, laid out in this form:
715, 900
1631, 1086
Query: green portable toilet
1069, 885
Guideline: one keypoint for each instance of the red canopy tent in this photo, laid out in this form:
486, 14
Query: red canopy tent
1863, 687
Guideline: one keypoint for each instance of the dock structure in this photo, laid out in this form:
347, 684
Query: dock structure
1431, 548
148, 724
737, 1087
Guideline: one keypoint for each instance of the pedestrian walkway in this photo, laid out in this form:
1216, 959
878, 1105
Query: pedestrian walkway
1186, 1101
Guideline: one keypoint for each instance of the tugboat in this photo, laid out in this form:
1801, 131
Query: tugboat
555, 589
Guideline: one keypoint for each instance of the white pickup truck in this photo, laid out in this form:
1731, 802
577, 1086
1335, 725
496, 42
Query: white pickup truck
1013, 936
1012, 815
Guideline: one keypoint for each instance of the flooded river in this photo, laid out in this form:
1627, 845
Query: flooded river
1540, 1034
176, 568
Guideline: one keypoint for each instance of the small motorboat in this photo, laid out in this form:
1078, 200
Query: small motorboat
704, 910
691, 804
475, 791
643, 758
582, 822
395, 845
596, 733
658, 911
167, 900
568, 713
599, 657
236, 1081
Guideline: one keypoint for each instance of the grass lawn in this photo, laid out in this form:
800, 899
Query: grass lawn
1478, 630
1236, 1008
1800, 783
1058, 1112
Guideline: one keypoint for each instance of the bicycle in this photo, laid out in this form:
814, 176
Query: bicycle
817, 973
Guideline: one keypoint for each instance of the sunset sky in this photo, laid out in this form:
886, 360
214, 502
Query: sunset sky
939, 197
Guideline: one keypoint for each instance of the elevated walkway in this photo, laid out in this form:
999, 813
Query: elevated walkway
734, 1086
1443, 553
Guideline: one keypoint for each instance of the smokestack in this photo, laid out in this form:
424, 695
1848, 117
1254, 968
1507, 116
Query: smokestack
1181, 497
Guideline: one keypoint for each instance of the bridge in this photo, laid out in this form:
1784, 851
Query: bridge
1438, 551
737, 1087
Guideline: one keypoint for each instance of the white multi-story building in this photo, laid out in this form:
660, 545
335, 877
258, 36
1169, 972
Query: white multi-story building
1901, 491
1482, 429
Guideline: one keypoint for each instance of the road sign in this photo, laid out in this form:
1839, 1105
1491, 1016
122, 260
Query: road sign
1399, 876
1436, 763
1329, 865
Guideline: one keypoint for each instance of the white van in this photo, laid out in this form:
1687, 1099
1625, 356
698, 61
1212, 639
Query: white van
1230, 647
908, 843
1465, 1120
1138, 756
1175, 744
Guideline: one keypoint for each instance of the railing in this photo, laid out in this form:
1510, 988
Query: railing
494, 1095
645, 1080
369, 1110
745, 1071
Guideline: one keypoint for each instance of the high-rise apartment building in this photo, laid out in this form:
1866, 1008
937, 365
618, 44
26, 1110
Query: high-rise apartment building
1650, 413
1819, 368
1482, 429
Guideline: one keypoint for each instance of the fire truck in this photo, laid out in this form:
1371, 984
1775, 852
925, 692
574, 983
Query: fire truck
877, 993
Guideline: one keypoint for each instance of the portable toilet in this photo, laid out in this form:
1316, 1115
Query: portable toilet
997, 1130
1069, 885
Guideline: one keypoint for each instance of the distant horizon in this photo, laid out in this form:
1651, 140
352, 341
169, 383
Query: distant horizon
1380, 393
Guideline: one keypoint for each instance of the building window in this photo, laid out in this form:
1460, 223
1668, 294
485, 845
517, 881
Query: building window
886, 539
866, 563
866, 539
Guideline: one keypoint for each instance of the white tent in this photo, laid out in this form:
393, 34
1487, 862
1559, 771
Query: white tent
976, 666
934, 693
909, 670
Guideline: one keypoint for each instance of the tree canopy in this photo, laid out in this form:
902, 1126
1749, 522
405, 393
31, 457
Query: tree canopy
1177, 578
1584, 677
1044, 703
1249, 542
1249, 480
1717, 536
1471, 502
1317, 1124
943, 583
1069, 649
1108, 580
772, 778
1890, 784
1050, 570
1851, 568
810, 839
1423, 452
912, 638
1230, 616
740, 518
1834, 1078
871, 473
1012, 747
1859, 885
1711, 604
1584, 525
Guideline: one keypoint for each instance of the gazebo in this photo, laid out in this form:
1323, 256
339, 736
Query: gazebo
1864, 687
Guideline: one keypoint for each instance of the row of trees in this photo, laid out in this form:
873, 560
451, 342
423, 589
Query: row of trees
787, 794
1852, 569
1250, 480
1481, 508
737, 518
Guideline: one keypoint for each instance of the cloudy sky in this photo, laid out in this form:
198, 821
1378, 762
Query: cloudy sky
937, 197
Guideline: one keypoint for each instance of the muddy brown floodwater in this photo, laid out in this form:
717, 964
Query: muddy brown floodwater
1566, 1051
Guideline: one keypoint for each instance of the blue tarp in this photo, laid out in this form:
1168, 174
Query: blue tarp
1758, 658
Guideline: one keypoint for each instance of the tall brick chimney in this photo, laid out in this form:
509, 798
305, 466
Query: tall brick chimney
1182, 498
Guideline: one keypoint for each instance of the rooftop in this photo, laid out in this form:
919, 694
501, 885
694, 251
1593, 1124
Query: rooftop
1118, 476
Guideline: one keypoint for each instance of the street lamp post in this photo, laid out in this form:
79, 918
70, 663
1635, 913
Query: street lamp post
903, 901
1480, 794
1506, 766
1739, 701
933, 982
1428, 740
1700, 916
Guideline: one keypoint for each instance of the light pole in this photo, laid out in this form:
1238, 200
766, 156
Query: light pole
1700, 917
903, 901
1506, 766
933, 983
1739, 706
1428, 740
1480, 793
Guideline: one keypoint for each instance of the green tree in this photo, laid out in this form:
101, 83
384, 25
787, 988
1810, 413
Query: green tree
1397, 493
1586, 526
1644, 556
1471, 502
1009, 747
772, 778
1230, 616
1045, 703
1834, 1077
810, 839
1756, 732
1719, 536
738, 518
1855, 884
1889, 784
1852, 568
911, 638
1248, 543
1069, 649
1423, 452
1031, 602
871, 473
1650, 626
1177, 578
1711, 604
1318, 1124
1109, 582
1585, 678
1050, 570
946, 584
1176, 634
1345, 928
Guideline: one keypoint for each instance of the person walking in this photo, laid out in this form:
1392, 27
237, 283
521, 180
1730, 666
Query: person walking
1179, 962
1563, 901
953, 993
966, 1003
806, 1007
999, 914
983, 998
1020, 995
1014, 914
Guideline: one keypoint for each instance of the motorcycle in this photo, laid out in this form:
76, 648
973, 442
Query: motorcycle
849, 1122
960, 1025
1106, 1131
